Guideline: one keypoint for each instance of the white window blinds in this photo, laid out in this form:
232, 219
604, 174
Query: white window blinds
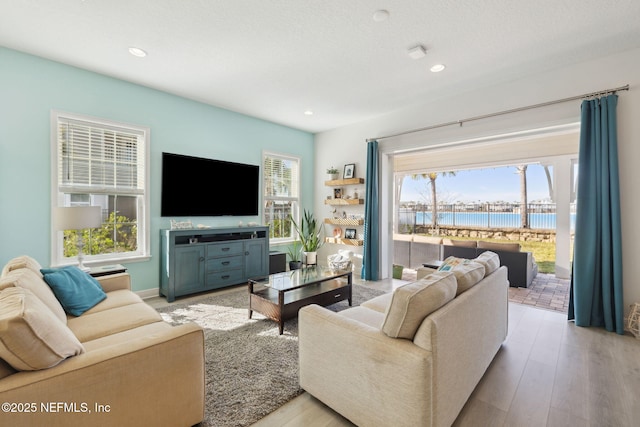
99, 159
281, 177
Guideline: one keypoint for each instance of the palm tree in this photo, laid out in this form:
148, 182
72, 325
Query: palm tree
524, 205
434, 202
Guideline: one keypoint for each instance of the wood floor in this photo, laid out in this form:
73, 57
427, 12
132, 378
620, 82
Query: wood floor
548, 372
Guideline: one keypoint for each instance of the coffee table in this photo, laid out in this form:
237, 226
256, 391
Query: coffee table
281, 295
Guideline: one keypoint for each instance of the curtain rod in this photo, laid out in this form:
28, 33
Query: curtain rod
500, 113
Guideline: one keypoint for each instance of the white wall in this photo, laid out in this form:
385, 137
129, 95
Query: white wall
347, 144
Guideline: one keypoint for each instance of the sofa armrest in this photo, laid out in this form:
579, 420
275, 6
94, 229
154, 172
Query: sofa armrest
154, 380
114, 282
361, 373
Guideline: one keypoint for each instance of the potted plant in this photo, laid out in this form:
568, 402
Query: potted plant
333, 173
294, 255
310, 234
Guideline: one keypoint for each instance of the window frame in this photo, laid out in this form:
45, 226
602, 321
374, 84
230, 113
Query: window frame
143, 204
295, 200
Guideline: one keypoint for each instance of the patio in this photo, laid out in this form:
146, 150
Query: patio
546, 291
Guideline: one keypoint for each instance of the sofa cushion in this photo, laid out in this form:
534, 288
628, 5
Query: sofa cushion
23, 261
496, 246
379, 303
115, 299
76, 290
467, 272
411, 303
97, 325
27, 279
31, 337
460, 243
490, 261
364, 315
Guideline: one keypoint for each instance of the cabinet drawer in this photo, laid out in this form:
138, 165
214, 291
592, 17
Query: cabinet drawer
221, 278
224, 249
224, 263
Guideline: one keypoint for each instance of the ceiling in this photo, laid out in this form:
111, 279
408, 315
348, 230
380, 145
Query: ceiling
277, 59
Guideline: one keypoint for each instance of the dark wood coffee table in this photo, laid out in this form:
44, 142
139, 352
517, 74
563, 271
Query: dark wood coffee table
281, 295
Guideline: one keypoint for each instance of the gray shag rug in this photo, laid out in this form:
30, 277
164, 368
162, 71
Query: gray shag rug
251, 370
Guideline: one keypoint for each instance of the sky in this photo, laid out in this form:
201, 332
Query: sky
479, 185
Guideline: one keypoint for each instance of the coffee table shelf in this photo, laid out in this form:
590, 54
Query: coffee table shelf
281, 296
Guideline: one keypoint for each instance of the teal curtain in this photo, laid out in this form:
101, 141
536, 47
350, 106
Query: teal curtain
371, 253
596, 282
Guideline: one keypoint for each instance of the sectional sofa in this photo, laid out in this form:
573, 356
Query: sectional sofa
116, 364
412, 357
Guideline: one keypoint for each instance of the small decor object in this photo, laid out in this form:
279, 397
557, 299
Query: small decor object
338, 262
337, 232
181, 225
337, 193
349, 171
333, 173
350, 233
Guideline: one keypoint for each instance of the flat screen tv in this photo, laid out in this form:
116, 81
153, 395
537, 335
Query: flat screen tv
195, 186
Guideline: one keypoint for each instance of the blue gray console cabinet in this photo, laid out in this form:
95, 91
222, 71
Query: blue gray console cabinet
198, 260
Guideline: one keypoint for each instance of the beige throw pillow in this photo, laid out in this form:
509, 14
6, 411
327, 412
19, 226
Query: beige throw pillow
467, 272
490, 261
497, 246
411, 303
31, 337
27, 279
22, 261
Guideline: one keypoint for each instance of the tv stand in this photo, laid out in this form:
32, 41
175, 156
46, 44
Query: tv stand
198, 260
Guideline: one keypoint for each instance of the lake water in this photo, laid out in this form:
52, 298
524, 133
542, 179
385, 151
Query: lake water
483, 219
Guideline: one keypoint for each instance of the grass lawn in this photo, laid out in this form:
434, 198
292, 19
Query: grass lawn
543, 252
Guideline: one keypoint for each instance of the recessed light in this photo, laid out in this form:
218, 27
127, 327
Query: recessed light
437, 68
136, 51
380, 15
308, 113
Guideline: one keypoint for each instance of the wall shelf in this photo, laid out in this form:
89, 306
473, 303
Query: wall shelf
348, 181
344, 202
340, 241
340, 221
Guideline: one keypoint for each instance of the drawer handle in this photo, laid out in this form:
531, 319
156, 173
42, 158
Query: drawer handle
225, 249
226, 276
225, 263
337, 296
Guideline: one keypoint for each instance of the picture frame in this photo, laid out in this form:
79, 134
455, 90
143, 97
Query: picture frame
349, 171
337, 193
350, 233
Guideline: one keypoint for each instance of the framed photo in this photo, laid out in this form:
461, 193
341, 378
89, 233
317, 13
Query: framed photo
337, 193
350, 233
349, 171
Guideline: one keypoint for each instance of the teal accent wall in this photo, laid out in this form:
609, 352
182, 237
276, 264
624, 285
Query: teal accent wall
30, 87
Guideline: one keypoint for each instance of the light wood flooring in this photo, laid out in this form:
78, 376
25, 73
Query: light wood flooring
548, 372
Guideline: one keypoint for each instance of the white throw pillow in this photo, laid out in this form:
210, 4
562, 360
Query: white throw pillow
31, 337
490, 260
467, 272
412, 302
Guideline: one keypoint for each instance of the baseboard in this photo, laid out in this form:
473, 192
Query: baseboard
148, 293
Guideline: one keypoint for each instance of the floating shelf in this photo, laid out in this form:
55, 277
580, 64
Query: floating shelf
348, 181
344, 202
339, 241
340, 221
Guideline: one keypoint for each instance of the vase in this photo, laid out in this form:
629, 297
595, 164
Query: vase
311, 258
295, 265
333, 176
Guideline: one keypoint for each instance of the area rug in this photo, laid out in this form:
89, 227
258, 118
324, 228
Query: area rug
251, 370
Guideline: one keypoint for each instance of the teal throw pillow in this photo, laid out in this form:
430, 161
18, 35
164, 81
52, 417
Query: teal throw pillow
76, 290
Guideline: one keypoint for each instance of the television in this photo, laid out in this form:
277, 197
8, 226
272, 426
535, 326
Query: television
195, 186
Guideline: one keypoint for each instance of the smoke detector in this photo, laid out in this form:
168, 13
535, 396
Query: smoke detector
417, 52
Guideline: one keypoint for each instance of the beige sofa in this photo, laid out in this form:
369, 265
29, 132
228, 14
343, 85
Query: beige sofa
118, 364
384, 363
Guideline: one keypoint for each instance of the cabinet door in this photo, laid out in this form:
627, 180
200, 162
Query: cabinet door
256, 258
189, 269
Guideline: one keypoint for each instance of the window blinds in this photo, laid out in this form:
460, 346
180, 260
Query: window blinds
99, 159
280, 177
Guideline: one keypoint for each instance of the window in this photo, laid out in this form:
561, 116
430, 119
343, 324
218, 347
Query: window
281, 194
101, 163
